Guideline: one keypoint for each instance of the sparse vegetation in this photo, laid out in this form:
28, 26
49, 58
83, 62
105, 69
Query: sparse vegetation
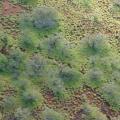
49, 114
111, 93
44, 18
59, 59
92, 113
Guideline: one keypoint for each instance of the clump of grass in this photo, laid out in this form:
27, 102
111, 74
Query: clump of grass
92, 113
94, 78
45, 18
115, 76
56, 48
15, 62
22, 84
70, 77
22, 114
84, 3
31, 98
3, 63
8, 104
36, 66
57, 86
94, 45
26, 42
50, 114
25, 2
111, 93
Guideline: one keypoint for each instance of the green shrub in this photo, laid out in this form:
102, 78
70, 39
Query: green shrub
35, 66
22, 84
95, 44
25, 2
50, 114
56, 48
117, 2
115, 8
1, 116
3, 63
4, 43
8, 103
111, 93
57, 86
92, 113
15, 60
70, 77
26, 42
45, 18
94, 78
22, 114
115, 77
85, 3
31, 98
25, 21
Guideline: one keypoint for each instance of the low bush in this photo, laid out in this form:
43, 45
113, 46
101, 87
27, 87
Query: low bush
4, 43
92, 113
26, 42
57, 86
22, 84
70, 77
25, 2
3, 63
45, 18
15, 60
22, 114
31, 98
94, 44
50, 114
115, 77
117, 2
36, 66
8, 104
85, 3
56, 48
94, 78
111, 93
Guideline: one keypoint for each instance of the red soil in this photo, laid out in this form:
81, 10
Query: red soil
10, 9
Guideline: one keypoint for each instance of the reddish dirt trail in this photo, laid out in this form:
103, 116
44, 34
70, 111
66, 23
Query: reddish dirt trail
10, 9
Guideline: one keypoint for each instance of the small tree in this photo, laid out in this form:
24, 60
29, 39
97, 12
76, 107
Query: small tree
44, 18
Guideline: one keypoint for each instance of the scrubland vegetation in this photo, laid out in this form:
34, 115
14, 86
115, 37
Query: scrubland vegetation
60, 60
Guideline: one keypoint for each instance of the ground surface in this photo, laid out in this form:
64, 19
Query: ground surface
76, 21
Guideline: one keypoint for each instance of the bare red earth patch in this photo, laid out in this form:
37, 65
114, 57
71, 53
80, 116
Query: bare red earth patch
10, 9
